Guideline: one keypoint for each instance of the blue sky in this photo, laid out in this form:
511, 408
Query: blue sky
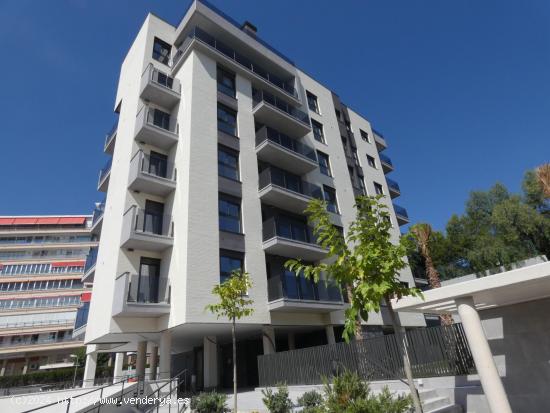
460, 89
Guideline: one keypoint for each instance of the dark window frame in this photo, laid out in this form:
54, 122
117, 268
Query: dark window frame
318, 126
325, 169
230, 255
378, 189
226, 166
227, 127
223, 73
332, 200
221, 215
312, 102
364, 135
158, 55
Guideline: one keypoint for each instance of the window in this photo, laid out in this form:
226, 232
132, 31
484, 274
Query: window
161, 51
229, 261
378, 189
338, 115
229, 210
312, 102
318, 131
228, 163
161, 119
364, 135
226, 82
355, 156
330, 198
227, 120
164, 80
324, 164
361, 181
371, 161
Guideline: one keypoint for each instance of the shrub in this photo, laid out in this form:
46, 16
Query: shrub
211, 402
311, 401
278, 402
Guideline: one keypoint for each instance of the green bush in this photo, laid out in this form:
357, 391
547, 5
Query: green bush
209, 402
56, 376
311, 401
278, 402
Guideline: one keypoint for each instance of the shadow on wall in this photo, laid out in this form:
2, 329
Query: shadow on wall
519, 337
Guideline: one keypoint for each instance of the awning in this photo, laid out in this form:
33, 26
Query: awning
85, 297
58, 264
54, 220
55, 366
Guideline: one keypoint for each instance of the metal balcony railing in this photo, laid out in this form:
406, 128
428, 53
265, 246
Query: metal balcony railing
158, 118
272, 135
37, 323
288, 229
146, 222
99, 210
259, 96
287, 86
144, 289
288, 181
29, 341
162, 79
82, 316
111, 134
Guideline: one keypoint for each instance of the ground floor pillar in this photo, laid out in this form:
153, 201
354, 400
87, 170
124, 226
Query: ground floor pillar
331, 339
26, 366
3, 368
89, 370
291, 341
481, 352
210, 364
153, 362
119, 365
268, 338
165, 350
141, 359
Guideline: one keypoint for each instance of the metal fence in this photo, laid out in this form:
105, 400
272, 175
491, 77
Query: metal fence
434, 352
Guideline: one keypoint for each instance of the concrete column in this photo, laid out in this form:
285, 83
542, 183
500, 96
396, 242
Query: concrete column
89, 370
141, 358
153, 362
26, 366
165, 354
485, 364
119, 365
330, 335
3, 369
268, 337
291, 341
210, 364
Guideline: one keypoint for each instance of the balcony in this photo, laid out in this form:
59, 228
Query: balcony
139, 296
281, 150
89, 266
142, 230
81, 320
394, 188
97, 217
159, 88
401, 214
151, 175
110, 139
387, 165
104, 174
290, 241
234, 60
155, 127
31, 341
287, 292
286, 191
380, 140
270, 110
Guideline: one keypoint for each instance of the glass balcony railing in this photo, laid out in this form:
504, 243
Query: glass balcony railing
394, 186
33, 340
386, 159
287, 228
272, 135
99, 210
109, 137
162, 79
158, 167
105, 170
291, 287
288, 181
37, 323
144, 289
91, 259
400, 211
157, 118
82, 315
287, 86
152, 223
259, 96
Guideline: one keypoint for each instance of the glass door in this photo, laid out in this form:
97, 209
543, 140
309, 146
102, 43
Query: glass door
148, 284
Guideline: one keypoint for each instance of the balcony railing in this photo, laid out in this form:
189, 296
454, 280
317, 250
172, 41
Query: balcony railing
30, 341
111, 135
259, 96
154, 224
400, 211
386, 159
82, 316
302, 289
91, 259
199, 34
270, 134
144, 289
278, 227
394, 186
37, 323
162, 79
105, 170
99, 210
288, 181
152, 118
151, 166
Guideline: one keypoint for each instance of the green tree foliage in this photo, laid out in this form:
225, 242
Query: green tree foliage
277, 402
497, 228
210, 402
311, 401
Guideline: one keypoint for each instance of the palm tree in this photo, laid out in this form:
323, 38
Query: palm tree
422, 233
543, 176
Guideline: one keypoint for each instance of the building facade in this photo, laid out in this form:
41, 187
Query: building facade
221, 142
42, 260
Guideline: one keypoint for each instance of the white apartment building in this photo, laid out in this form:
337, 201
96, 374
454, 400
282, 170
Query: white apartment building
221, 142
42, 260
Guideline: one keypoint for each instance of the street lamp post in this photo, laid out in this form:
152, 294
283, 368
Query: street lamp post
74, 356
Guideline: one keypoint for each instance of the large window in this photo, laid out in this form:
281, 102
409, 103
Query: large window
229, 261
227, 120
228, 163
226, 82
371, 161
378, 189
330, 198
324, 164
229, 210
318, 131
312, 102
364, 135
161, 119
161, 51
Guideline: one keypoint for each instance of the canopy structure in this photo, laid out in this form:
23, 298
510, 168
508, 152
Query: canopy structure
467, 298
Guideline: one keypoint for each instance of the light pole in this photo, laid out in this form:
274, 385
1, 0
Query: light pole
74, 356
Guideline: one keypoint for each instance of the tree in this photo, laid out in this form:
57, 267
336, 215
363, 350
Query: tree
543, 176
233, 305
422, 234
366, 262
